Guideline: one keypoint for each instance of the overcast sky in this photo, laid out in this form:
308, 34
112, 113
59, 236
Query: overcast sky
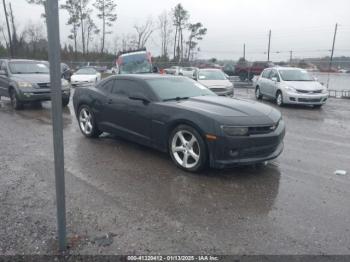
304, 26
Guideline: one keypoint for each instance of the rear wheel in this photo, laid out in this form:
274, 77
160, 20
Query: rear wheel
187, 148
87, 122
279, 98
258, 94
16, 104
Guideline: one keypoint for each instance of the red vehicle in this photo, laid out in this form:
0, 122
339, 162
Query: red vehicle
247, 71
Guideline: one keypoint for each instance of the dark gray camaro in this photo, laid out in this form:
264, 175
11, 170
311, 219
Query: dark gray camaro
182, 117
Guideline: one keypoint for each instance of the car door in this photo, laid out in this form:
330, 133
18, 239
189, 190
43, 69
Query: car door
274, 84
4, 80
130, 118
263, 82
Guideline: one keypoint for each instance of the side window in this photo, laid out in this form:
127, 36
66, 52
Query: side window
2, 65
126, 88
266, 73
107, 86
274, 74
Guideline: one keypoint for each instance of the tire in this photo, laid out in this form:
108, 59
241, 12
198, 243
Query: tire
65, 102
258, 94
16, 104
279, 98
87, 123
187, 149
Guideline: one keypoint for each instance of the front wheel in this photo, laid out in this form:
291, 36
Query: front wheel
16, 104
187, 148
65, 102
279, 98
87, 122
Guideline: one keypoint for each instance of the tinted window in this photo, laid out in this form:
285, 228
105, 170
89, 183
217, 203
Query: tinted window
128, 87
170, 88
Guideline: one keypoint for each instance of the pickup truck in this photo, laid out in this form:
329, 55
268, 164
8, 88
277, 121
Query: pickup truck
246, 71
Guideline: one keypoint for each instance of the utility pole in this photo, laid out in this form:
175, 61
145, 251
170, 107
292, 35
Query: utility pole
290, 56
331, 59
8, 28
244, 51
268, 49
54, 48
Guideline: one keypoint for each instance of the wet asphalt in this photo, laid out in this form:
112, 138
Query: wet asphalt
294, 205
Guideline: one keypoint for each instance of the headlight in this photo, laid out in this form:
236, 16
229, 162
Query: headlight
324, 91
235, 130
290, 89
65, 83
24, 84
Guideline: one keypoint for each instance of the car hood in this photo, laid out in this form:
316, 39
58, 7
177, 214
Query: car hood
32, 78
232, 111
215, 83
82, 77
305, 85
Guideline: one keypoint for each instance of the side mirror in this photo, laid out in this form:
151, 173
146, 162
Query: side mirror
140, 97
274, 79
3, 73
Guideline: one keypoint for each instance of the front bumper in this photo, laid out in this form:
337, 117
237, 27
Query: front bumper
39, 95
245, 150
228, 92
305, 99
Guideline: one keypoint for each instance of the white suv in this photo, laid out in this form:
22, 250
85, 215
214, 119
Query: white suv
290, 85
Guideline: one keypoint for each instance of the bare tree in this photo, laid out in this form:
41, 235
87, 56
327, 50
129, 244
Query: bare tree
8, 28
91, 28
33, 33
128, 42
197, 31
180, 18
106, 12
144, 32
165, 28
71, 6
83, 12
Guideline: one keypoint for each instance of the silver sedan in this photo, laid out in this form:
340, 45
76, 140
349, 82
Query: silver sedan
289, 85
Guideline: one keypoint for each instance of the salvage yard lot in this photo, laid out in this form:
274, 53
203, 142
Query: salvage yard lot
294, 205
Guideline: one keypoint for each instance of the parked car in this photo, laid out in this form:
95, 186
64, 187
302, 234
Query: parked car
135, 62
25, 81
290, 85
85, 76
180, 116
174, 70
246, 71
188, 71
65, 70
215, 80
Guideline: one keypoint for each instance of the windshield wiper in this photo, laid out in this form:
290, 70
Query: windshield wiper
178, 98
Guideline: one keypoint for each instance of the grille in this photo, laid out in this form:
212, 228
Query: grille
309, 92
218, 89
44, 85
260, 130
309, 100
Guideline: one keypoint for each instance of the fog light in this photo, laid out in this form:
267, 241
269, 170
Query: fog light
292, 99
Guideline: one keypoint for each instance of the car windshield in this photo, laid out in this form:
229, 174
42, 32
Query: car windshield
177, 88
135, 64
86, 71
211, 75
28, 68
295, 75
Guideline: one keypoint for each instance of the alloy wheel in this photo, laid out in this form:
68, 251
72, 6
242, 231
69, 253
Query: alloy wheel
279, 99
185, 149
85, 121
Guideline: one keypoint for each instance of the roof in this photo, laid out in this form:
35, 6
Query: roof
19, 60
